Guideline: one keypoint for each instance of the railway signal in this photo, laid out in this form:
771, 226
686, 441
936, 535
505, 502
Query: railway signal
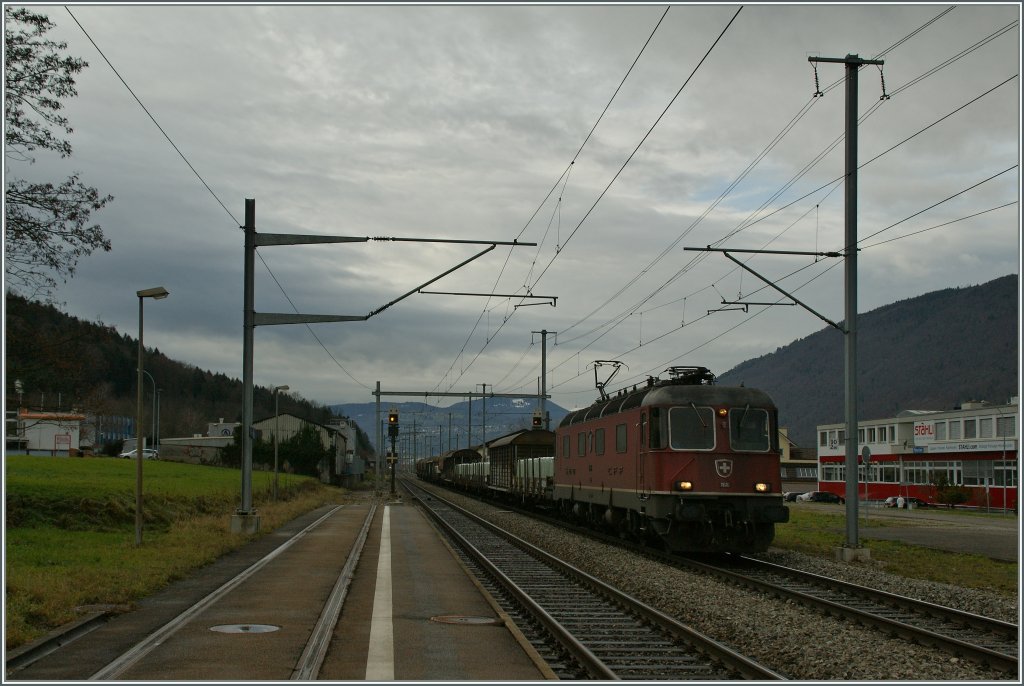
538, 420
393, 434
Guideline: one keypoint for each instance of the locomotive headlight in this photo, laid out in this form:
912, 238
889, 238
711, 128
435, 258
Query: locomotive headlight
685, 485
762, 487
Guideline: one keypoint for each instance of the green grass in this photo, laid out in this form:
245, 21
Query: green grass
819, 533
70, 536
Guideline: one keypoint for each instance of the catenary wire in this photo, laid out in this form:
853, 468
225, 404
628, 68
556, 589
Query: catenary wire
211, 191
623, 316
743, 226
563, 176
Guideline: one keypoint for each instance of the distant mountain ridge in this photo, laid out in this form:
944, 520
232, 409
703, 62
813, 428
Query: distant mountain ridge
503, 416
931, 352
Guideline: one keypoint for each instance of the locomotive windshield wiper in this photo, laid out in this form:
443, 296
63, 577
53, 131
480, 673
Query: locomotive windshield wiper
699, 418
739, 426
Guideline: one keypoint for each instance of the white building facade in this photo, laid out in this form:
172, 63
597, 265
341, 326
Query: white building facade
973, 447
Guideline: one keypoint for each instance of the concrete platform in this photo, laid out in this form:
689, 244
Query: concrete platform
412, 614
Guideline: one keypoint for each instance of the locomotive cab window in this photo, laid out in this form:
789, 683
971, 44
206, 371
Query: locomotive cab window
748, 429
692, 428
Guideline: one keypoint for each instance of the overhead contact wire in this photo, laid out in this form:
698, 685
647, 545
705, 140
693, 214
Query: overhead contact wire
208, 188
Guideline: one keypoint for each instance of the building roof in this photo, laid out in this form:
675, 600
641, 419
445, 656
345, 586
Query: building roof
52, 416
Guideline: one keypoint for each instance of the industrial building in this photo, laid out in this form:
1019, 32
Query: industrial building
972, 448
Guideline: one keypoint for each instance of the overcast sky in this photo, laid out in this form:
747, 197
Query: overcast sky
459, 122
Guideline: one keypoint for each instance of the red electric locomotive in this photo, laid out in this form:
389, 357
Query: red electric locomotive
682, 461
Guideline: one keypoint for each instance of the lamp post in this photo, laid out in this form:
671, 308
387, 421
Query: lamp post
276, 430
158, 293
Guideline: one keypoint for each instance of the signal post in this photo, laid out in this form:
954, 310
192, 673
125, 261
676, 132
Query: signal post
392, 454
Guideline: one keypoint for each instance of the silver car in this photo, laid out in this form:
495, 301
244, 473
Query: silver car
147, 454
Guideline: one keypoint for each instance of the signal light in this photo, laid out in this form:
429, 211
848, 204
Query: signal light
537, 420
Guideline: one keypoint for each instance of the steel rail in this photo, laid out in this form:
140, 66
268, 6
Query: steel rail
593, 666
977, 653
712, 649
971, 651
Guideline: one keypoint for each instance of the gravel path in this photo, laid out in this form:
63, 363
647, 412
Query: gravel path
784, 636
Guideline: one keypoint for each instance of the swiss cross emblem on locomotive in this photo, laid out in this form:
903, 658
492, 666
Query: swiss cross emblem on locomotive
724, 468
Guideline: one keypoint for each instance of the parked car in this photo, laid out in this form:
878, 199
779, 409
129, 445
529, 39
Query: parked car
821, 497
147, 454
791, 496
891, 501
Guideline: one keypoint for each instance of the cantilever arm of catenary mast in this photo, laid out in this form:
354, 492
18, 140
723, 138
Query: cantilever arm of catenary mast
483, 252
725, 251
788, 295
269, 318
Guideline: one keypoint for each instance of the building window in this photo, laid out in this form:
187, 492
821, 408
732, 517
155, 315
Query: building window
1006, 427
882, 434
889, 473
940, 431
954, 430
833, 471
860, 436
985, 428
1005, 473
871, 434
823, 439
970, 428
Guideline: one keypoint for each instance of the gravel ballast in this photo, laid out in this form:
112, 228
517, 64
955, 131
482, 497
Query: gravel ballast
784, 636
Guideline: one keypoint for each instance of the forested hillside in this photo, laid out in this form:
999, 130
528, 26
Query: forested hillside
926, 353
61, 362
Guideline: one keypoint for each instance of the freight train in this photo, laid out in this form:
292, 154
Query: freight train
682, 462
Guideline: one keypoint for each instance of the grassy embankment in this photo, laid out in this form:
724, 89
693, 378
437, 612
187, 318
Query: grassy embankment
819, 532
70, 531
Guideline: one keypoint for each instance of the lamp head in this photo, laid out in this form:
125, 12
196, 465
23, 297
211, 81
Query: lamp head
158, 293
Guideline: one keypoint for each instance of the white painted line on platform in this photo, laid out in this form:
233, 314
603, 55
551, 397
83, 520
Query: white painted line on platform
380, 661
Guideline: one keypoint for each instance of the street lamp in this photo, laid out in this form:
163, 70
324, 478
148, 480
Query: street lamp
276, 430
158, 293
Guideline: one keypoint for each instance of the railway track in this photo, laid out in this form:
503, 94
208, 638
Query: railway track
583, 627
983, 640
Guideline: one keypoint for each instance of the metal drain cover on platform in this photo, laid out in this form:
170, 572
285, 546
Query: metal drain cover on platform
464, 619
244, 628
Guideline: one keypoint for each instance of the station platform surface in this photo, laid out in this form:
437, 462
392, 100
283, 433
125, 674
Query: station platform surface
412, 613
